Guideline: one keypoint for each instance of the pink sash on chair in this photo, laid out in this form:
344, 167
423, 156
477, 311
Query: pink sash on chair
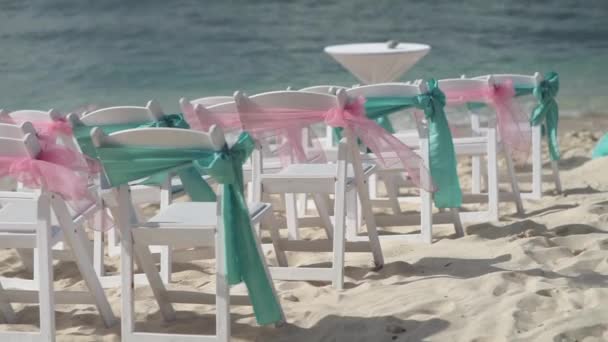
512, 122
48, 132
285, 126
55, 169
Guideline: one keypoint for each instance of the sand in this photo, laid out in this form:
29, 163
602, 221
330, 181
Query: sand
539, 277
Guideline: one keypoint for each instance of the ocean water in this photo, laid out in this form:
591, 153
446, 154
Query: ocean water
66, 54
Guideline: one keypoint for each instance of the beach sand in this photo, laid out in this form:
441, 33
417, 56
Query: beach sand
542, 276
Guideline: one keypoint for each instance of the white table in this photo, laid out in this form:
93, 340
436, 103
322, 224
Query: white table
378, 62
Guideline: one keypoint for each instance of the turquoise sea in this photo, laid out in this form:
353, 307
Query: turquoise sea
66, 54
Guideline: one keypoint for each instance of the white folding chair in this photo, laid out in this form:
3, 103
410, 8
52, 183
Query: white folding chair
417, 139
18, 131
320, 180
180, 225
27, 221
483, 144
142, 194
536, 192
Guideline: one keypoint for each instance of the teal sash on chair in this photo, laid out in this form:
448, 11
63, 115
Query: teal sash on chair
123, 164
601, 149
546, 112
441, 147
82, 133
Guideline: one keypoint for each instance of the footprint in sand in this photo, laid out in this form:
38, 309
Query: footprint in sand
506, 282
599, 208
595, 333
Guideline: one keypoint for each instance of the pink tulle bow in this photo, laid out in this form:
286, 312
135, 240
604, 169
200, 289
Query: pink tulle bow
284, 127
52, 129
511, 121
48, 132
54, 169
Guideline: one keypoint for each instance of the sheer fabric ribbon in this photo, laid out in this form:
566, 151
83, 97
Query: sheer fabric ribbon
124, 164
512, 123
54, 169
286, 125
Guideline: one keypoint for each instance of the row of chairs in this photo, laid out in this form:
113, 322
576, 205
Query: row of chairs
344, 192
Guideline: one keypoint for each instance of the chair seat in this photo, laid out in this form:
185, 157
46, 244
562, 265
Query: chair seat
316, 171
19, 211
187, 224
471, 140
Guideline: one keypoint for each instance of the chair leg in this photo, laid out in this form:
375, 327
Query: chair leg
302, 204
537, 163
76, 239
291, 213
556, 178
392, 190
373, 186
146, 262
258, 245
99, 237
457, 222
322, 203
339, 234
44, 261
476, 174
269, 221
492, 177
166, 263
353, 213
222, 289
27, 258
8, 314
366, 204
513, 179
426, 216
166, 251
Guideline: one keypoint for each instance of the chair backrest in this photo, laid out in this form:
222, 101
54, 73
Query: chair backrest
323, 89
386, 89
157, 137
465, 84
120, 115
224, 107
290, 99
211, 100
162, 137
16, 131
517, 79
30, 115
395, 89
302, 100
474, 85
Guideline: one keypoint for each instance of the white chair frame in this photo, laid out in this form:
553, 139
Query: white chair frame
142, 194
391, 176
175, 225
484, 143
537, 179
11, 131
319, 180
26, 222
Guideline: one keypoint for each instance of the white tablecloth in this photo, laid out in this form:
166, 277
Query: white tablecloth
377, 62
